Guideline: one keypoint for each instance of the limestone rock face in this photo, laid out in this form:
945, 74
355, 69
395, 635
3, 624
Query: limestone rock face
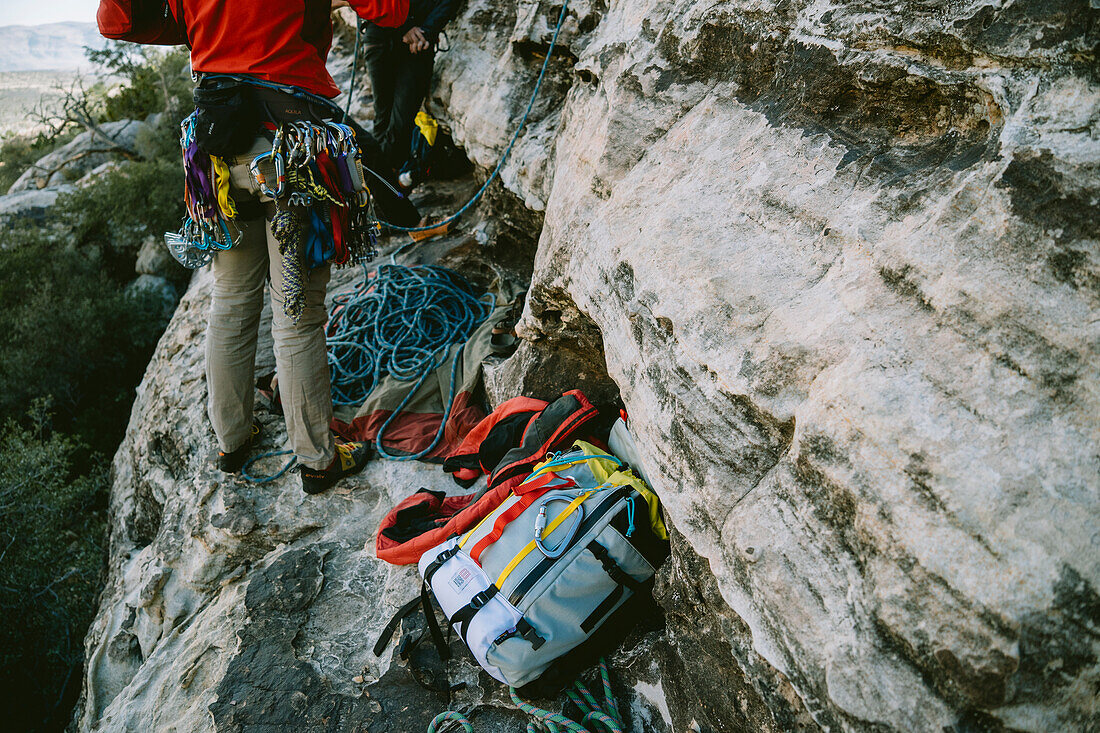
842, 260
840, 263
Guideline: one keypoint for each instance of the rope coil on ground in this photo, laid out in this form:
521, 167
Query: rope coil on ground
256, 478
450, 716
606, 714
401, 323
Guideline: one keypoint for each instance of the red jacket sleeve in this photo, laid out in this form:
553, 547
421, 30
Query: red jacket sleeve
384, 13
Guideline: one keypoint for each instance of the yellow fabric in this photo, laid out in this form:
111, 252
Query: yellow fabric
606, 472
545, 533
221, 186
429, 128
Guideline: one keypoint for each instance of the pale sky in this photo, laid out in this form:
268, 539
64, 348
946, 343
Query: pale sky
23, 12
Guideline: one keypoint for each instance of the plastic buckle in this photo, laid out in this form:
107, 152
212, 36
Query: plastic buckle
480, 599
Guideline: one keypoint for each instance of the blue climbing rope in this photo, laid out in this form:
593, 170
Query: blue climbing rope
401, 323
257, 478
511, 143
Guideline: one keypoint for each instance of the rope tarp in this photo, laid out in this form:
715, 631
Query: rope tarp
406, 348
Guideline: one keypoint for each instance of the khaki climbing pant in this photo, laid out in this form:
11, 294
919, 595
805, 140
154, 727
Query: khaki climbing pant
301, 361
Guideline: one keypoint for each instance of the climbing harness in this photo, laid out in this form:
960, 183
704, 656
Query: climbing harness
605, 714
324, 210
507, 150
401, 321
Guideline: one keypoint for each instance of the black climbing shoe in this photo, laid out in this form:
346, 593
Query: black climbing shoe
350, 458
232, 461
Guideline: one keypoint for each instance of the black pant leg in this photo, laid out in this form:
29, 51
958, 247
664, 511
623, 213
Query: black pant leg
413, 79
379, 54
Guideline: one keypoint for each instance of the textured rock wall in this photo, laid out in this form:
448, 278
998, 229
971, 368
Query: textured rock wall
840, 263
842, 259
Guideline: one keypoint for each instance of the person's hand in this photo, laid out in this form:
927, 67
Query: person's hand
416, 40
340, 4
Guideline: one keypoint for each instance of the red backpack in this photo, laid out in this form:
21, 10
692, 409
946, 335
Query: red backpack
142, 21
423, 520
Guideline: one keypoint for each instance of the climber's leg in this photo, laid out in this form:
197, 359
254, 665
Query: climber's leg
301, 361
231, 334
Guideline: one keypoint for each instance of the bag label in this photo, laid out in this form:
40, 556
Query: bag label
461, 579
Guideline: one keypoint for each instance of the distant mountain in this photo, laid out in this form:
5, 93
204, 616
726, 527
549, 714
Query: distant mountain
54, 46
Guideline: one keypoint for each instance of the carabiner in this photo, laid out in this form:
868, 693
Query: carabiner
261, 179
540, 527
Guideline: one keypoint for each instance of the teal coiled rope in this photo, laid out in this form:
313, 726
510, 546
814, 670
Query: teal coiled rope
246, 470
606, 714
401, 323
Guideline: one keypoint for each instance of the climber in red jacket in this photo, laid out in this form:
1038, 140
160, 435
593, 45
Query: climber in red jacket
258, 65
281, 41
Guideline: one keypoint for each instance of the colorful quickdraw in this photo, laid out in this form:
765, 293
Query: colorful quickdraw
313, 172
210, 209
324, 209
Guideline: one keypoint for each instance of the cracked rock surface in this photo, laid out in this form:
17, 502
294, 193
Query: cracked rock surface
838, 260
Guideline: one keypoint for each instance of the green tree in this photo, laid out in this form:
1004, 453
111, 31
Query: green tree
52, 551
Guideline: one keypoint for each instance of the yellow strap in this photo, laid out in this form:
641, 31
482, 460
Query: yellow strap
545, 533
221, 184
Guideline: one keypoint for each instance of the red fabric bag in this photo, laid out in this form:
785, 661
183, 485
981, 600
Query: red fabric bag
152, 22
423, 520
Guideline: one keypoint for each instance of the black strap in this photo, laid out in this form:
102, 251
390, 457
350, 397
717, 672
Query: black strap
433, 625
437, 563
620, 576
391, 626
467, 612
602, 610
527, 631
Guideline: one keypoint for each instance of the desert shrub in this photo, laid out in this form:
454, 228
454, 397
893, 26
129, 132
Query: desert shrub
52, 547
20, 152
73, 346
156, 79
69, 333
122, 208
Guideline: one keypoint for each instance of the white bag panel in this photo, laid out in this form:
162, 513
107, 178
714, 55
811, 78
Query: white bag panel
454, 584
496, 617
457, 580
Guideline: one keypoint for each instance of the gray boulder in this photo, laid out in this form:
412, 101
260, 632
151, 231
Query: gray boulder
84, 153
30, 203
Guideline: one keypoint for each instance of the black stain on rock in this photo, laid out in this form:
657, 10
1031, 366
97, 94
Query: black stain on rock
709, 670
1060, 653
1041, 196
895, 123
1036, 25
267, 687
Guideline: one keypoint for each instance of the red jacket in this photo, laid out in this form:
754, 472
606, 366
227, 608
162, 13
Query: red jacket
284, 41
